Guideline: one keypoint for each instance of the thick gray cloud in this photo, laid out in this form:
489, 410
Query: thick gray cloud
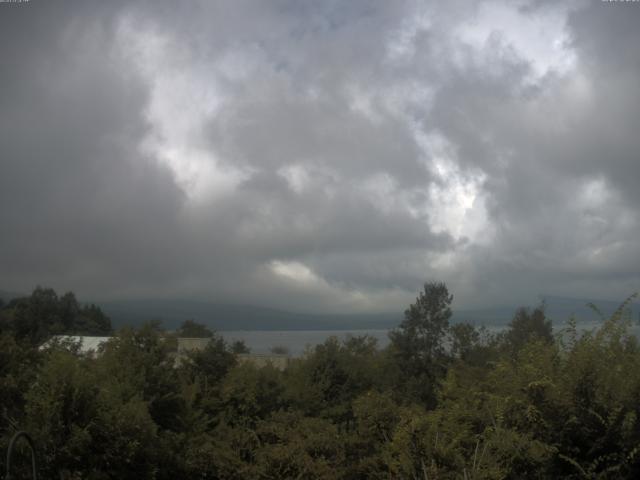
320, 156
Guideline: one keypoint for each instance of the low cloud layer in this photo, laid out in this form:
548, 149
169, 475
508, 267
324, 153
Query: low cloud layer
320, 156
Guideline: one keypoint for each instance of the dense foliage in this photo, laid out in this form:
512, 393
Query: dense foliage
441, 402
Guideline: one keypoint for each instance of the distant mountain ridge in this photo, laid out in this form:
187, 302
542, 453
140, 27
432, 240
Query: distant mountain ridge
561, 309
224, 317
558, 309
238, 317
5, 295
242, 317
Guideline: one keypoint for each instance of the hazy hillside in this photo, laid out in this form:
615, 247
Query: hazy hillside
241, 317
559, 309
237, 317
6, 295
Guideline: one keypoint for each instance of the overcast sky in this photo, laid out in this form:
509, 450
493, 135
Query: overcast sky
320, 155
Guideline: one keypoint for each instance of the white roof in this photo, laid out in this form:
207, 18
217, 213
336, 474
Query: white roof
87, 344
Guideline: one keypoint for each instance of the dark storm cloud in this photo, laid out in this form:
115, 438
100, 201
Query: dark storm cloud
320, 155
78, 203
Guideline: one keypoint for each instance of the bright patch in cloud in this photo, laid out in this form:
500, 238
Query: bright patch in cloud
401, 45
537, 36
295, 271
456, 198
297, 176
184, 96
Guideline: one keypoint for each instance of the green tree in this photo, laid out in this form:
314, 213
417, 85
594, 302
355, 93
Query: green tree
331, 376
376, 417
36, 317
87, 425
464, 337
279, 350
239, 347
210, 364
42, 314
418, 343
91, 320
19, 365
295, 446
526, 326
250, 393
193, 329
143, 362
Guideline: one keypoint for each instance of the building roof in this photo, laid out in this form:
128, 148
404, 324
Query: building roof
87, 344
91, 345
